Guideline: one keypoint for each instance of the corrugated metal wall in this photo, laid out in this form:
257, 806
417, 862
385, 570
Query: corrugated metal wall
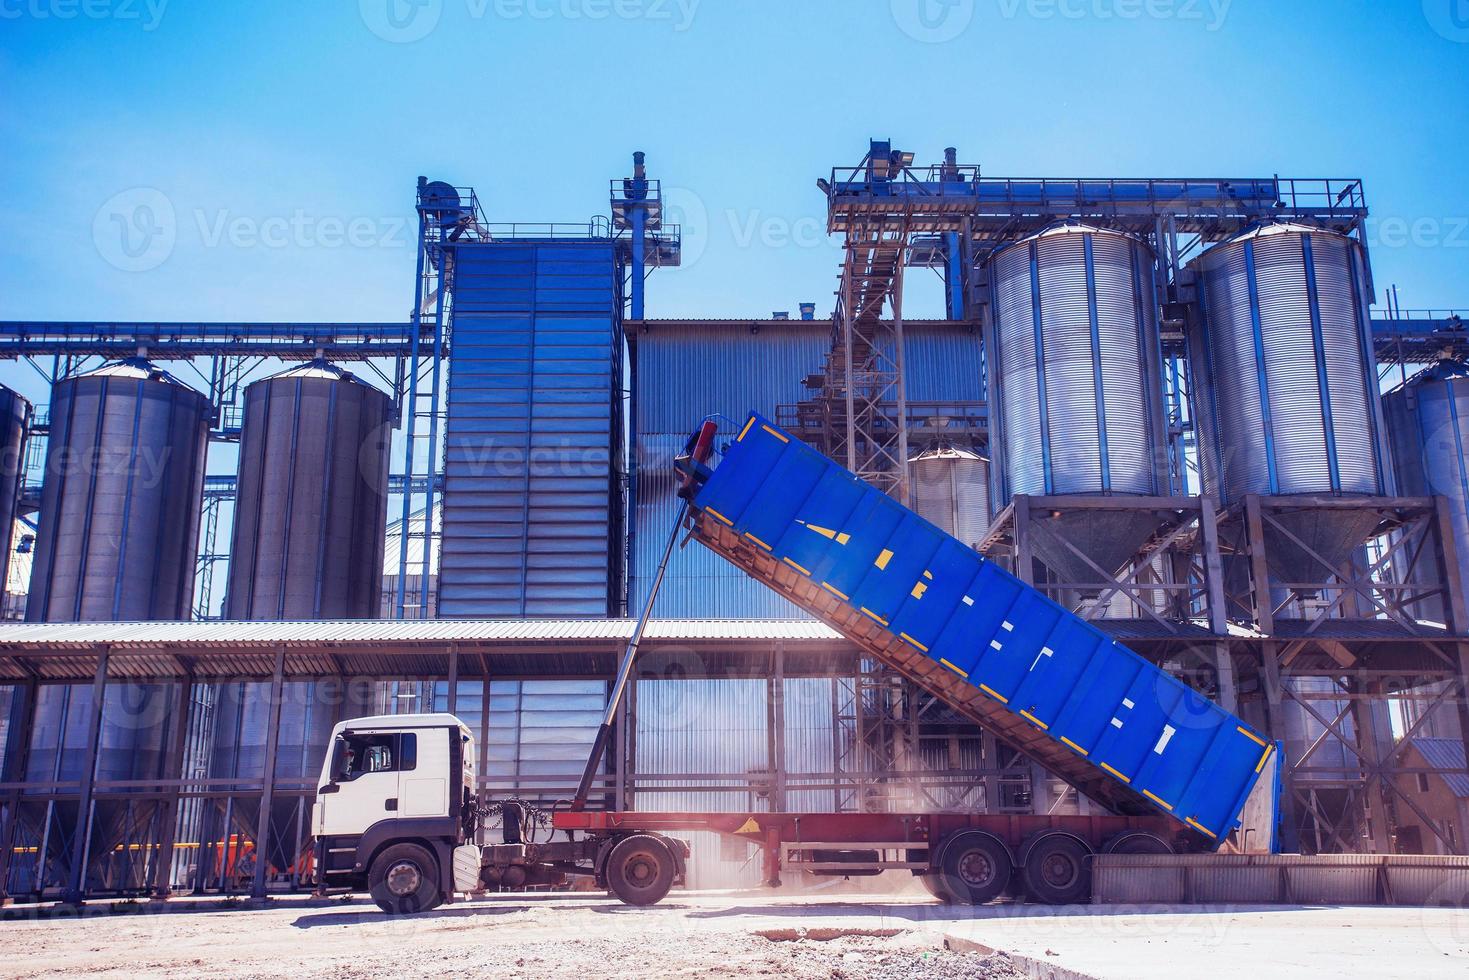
687, 370
531, 498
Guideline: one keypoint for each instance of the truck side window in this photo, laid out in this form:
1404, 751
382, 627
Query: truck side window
395, 752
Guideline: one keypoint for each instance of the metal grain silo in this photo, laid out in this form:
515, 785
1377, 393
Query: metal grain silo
1289, 403
1075, 388
951, 491
15, 417
1428, 430
120, 501
311, 506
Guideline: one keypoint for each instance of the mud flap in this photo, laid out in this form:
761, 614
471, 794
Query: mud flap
466, 868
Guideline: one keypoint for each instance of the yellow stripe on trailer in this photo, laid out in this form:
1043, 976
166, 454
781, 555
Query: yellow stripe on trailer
1157, 799
994, 694
1114, 772
745, 431
799, 568
914, 642
1074, 745
776, 432
711, 510
757, 541
955, 669
1250, 735
874, 615
1263, 757
1200, 827
834, 590
1034, 720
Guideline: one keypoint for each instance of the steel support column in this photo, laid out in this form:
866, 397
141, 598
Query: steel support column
267, 792
17, 756
169, 810
77, 873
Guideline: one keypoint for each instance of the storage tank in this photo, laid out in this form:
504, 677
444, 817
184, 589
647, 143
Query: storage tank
951, 491
15, 416
1076, 386
1289, 401
120, 502
1428, 430
311, 506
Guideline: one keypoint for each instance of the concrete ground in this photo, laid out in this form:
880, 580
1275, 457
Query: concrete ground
740, 934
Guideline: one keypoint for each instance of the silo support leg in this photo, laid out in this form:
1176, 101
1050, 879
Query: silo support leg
77, 873
267, 793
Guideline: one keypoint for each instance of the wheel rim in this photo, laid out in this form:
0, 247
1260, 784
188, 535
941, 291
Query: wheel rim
976, 869
1059, 870
641, 869
404, 878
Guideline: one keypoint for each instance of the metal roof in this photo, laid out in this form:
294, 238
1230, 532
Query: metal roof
394, 632
1446, 754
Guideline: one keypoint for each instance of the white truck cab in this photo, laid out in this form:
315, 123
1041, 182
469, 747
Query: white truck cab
396, 814
394, 799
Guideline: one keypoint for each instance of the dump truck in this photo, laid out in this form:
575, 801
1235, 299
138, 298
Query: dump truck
397, 813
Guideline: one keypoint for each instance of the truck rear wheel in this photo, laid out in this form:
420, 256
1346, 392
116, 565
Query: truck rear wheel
973, 869
1057, 871
404, 879
934, 886
640, 870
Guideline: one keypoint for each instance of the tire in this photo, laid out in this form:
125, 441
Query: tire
1058, 871
973, 868
935, 887
1138, 842
404, 879
640, 870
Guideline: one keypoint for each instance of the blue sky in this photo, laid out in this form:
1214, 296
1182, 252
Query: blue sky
285, 138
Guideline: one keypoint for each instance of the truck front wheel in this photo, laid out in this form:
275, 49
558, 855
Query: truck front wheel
404, 879
640, 870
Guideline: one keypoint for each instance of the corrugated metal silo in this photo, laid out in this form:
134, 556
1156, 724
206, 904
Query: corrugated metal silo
1289, 403
951, 490
311, 510
1075, 389
120, 501
15, 415
1428, 429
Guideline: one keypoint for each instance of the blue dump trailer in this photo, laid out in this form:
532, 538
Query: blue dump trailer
1123, 732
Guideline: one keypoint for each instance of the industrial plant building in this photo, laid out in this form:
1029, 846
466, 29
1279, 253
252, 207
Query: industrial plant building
1175, 406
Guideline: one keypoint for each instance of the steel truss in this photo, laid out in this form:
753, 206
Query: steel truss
1325, 665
